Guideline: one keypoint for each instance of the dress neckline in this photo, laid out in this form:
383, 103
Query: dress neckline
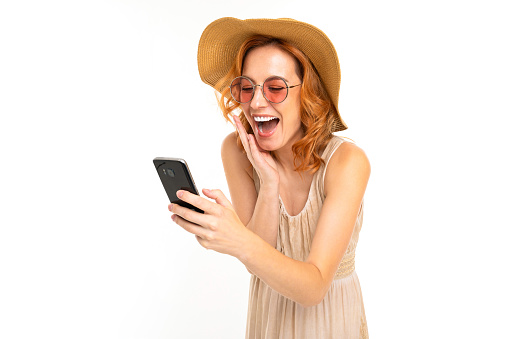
305, 205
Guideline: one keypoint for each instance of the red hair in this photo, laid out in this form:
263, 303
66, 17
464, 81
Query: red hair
317, 111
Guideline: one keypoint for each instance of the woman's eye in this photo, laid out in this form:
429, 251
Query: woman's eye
247, 89
275, 89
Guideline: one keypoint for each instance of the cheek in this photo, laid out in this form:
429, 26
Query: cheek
294, 113
297, 105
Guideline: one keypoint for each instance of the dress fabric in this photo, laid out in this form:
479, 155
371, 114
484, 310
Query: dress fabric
341, 312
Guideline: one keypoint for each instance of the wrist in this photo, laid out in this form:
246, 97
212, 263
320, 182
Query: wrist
271, 178
246, 248
270, 185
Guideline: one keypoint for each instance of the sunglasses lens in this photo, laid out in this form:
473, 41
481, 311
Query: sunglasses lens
242, 90
275, 89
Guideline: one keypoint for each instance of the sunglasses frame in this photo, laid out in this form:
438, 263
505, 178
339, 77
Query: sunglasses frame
261, 87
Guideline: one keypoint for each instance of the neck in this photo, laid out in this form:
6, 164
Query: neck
285, 156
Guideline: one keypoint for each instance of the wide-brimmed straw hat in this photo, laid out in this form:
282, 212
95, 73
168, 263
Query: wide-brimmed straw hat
221, 40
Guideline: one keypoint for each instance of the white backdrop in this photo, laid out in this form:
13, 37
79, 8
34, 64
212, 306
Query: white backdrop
92, 91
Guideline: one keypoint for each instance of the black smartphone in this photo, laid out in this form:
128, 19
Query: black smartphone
175, 175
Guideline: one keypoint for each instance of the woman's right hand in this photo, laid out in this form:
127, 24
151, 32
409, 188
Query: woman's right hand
262, 161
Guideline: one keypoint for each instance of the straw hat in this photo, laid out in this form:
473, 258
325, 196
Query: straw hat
221, 40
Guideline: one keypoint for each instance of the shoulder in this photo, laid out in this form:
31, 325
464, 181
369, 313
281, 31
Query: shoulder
349, 154
229, 143
233, 156
350, 163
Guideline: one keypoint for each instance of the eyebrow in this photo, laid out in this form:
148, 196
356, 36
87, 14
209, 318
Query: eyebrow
282, 77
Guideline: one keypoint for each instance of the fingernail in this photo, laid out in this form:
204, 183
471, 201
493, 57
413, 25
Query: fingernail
179, 194
170, 207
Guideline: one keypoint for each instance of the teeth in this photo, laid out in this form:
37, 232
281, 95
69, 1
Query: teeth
258, 119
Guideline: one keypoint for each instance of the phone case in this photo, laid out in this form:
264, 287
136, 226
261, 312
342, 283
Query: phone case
175, 175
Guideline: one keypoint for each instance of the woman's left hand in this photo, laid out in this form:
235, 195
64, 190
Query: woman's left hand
218, 229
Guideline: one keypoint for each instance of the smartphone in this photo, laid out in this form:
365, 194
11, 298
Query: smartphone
175, 175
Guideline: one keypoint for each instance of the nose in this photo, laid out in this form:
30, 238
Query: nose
258, 100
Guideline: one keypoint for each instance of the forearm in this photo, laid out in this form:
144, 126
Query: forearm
265, 219
299, 281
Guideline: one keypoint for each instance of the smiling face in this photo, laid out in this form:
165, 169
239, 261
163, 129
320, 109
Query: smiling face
260, 64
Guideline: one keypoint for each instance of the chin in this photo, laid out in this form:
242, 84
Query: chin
267, 144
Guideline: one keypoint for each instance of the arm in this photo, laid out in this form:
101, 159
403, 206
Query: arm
308, 282
259, 212
221, 230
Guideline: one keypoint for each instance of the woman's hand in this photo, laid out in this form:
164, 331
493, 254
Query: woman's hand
262, 161
218, 229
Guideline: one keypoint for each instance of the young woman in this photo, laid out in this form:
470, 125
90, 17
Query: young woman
296, 189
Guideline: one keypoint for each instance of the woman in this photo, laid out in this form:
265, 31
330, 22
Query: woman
296, 189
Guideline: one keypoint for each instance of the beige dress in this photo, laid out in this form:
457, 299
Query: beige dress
341, 313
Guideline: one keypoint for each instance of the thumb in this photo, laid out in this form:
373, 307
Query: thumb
218, 196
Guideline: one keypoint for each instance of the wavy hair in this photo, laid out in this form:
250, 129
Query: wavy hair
317, 110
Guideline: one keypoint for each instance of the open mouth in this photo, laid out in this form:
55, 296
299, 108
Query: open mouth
266, 125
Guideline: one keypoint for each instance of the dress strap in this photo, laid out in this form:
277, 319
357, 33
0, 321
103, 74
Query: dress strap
333, 145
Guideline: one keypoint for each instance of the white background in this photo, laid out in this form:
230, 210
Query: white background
92, 91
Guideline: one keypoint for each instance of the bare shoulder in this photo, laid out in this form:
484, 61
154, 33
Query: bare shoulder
233, 156
229, 141
348, 162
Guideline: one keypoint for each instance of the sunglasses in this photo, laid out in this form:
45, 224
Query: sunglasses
274, 89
